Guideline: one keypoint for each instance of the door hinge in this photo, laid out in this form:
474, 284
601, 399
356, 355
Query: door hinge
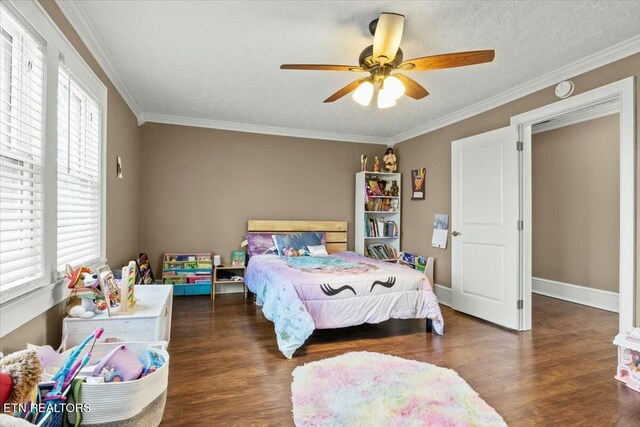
520, 146
520, 304
520, 225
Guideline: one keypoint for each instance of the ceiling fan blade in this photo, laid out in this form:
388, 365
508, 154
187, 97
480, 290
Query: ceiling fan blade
346, 90
388, 35
321, 67
411, 87
448, 60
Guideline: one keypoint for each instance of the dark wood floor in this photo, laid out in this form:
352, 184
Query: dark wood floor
226, 368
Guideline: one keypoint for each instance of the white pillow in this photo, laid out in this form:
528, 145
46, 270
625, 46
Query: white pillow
318, 250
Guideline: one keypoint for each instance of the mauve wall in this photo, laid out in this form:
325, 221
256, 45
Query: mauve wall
576, 204
433, 151
199, 187
123, 137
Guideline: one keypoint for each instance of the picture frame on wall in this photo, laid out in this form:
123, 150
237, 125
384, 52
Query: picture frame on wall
418, 177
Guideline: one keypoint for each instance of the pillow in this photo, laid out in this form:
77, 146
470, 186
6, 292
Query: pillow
317, 250
260, 243
297, 241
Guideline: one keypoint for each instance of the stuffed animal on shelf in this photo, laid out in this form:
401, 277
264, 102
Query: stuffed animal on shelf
389, 159
85, 298
19, 375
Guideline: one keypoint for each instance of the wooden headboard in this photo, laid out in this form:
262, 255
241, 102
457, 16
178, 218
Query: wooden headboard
336, 231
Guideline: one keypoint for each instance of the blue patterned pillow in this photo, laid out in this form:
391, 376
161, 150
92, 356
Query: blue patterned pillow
297, 241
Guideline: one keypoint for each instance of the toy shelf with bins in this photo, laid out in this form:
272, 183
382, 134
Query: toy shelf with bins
377, 220
190, 273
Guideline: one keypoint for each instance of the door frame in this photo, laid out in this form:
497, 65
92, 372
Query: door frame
623, 94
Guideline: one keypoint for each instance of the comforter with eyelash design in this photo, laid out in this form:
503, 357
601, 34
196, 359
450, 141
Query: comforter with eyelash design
300, 294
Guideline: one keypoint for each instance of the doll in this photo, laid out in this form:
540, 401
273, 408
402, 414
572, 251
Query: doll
376, 164
389, 160
363, 163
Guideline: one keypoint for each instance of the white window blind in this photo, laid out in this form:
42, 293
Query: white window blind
78, 174
21, 155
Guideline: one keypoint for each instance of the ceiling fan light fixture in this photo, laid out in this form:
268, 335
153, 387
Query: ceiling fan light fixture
386, 98
364, 93
394, 86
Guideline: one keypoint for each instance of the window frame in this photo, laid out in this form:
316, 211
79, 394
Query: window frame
18, 306
20, 98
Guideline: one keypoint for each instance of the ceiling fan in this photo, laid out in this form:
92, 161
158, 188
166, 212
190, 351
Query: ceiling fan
384, 57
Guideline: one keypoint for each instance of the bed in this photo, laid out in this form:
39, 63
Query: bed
301, 294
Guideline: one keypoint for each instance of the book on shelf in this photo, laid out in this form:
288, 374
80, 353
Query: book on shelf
381, 205
379, 227
381, 251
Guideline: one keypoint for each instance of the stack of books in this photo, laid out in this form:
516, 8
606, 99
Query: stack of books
381, 251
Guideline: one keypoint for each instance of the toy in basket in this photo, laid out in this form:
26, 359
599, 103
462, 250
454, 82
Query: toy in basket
629, 358
133, 398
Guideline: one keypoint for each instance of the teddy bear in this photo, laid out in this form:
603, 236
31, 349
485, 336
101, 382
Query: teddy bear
85, 299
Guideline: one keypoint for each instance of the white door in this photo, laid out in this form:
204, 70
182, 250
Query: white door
484, 225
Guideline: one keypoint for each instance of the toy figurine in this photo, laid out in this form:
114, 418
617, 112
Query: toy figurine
394, 189
389, 160
85, 298
376, 164
363, 163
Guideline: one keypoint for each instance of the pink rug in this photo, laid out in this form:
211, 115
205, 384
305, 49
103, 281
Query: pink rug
373, 389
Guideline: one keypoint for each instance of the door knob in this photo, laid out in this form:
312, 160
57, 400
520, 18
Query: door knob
455, 233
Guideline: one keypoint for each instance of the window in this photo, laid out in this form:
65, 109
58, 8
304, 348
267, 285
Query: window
52, 115
21, 156
78, 174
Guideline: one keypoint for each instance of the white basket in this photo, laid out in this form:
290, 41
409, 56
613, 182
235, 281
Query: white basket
120, 401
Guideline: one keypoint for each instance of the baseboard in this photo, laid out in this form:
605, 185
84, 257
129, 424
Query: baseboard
604, 300
444, 295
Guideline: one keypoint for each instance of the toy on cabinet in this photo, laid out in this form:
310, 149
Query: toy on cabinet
127, 285
85, 299
109, 288
628, 370
376, 164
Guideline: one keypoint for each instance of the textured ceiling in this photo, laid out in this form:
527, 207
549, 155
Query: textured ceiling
219, 60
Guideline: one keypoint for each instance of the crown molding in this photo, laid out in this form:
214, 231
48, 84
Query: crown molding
81, 23
601, 110
591, 62
261, 129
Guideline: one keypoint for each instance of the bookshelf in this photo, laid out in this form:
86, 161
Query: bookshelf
190, 273
377, 222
